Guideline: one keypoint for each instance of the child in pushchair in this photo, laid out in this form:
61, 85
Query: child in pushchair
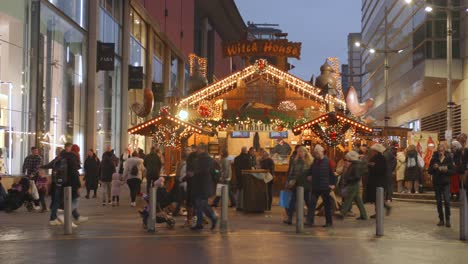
18, 196
163, 201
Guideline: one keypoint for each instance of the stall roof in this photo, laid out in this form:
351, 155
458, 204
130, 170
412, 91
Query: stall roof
231, 82
353, 123
147, 127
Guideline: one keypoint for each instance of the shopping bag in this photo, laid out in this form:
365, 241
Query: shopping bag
284, 199
219, 187
34, 192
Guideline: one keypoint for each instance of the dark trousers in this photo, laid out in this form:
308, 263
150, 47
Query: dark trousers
292, 205
232, 198
203, 208
116, 198
134, 185
42, 195
270, 195
57, 201
326, 201
442, 193
149, 183
88, 191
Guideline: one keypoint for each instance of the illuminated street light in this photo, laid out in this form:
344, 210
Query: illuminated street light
408, 1
428, 9
372, 51
357, 44
183, 115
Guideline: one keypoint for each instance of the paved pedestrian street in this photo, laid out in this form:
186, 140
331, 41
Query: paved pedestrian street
115, 235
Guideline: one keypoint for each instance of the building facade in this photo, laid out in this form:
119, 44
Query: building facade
417, 92
51, 91
354, 63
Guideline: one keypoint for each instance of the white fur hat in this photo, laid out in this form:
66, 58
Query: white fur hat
319, 148
352, 156
378, 147
456, 145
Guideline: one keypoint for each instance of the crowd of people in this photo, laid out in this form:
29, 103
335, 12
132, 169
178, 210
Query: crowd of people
354, 177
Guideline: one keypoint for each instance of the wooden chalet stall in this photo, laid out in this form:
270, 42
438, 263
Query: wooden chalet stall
169, 133
254, 107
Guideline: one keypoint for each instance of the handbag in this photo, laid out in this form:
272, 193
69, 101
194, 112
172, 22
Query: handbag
284, 198
34, 192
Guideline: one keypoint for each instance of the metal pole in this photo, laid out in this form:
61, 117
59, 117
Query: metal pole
67, 206
300, 209
449, 71
224, 208
152, 212
379, 211
386, 68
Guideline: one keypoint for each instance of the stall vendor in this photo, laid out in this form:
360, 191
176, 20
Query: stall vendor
282, 148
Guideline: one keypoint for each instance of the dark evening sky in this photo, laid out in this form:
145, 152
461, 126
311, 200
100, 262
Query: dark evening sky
321, 25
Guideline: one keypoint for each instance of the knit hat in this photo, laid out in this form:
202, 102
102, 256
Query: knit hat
352, 156
378, 147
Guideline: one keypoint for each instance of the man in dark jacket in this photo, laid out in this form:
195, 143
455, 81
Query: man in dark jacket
241, 162
441, 168
107, 169
203, 187
153, 168
323, 180
391, 165
377, 176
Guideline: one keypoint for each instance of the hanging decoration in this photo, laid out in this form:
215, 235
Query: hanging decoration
165, 136
205, 109
261, 66
287, 106
164, 110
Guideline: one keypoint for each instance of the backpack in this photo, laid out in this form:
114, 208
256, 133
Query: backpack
60, 172
134, 170
411, 162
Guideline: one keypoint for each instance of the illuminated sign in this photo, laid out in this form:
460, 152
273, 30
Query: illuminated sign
279, 47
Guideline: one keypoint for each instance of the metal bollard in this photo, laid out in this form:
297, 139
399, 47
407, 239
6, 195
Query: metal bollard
463, 215
379, 212
300, 209
224, 208
152, 212
67, 210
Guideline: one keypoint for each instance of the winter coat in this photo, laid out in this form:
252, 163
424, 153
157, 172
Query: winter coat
353, 173
413, 173
268, 164
73, 165
152, 164
440, 178
299, 171
107, 168
401, 166
129, 164
202, 181
116, 183
123, 158
92, 172
241, 162
322, 175
377, 176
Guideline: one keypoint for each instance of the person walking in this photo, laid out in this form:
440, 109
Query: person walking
189, 172
92, 167
377, 166
390, 159
116, 184
354, 169
459, 170
266, 163
226, 175
241, 162
133, 173
323, 180
441, 168
53, 177
297, 177
107, 169
202, 187
400, 170
413, 169
152, 164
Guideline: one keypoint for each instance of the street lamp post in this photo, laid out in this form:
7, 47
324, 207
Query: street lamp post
386, 51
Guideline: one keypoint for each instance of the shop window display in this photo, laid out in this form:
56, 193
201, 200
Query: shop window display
62, 105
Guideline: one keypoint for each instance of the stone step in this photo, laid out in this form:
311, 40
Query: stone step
415, 196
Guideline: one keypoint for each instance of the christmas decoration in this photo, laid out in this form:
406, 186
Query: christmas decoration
260, 66
287, 106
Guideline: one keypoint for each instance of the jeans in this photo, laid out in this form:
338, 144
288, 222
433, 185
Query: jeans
292, 205
353, 195
134, 184
326, 201
442, 192
203, 208
106, 191
58, 196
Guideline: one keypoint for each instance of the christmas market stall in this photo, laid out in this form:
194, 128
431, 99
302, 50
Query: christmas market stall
170, 133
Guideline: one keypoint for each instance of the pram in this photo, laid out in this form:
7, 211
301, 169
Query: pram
164, 200
18, 196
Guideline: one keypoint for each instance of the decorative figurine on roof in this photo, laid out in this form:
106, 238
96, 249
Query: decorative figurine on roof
143, 110
326, 82
356, 108
197, 79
